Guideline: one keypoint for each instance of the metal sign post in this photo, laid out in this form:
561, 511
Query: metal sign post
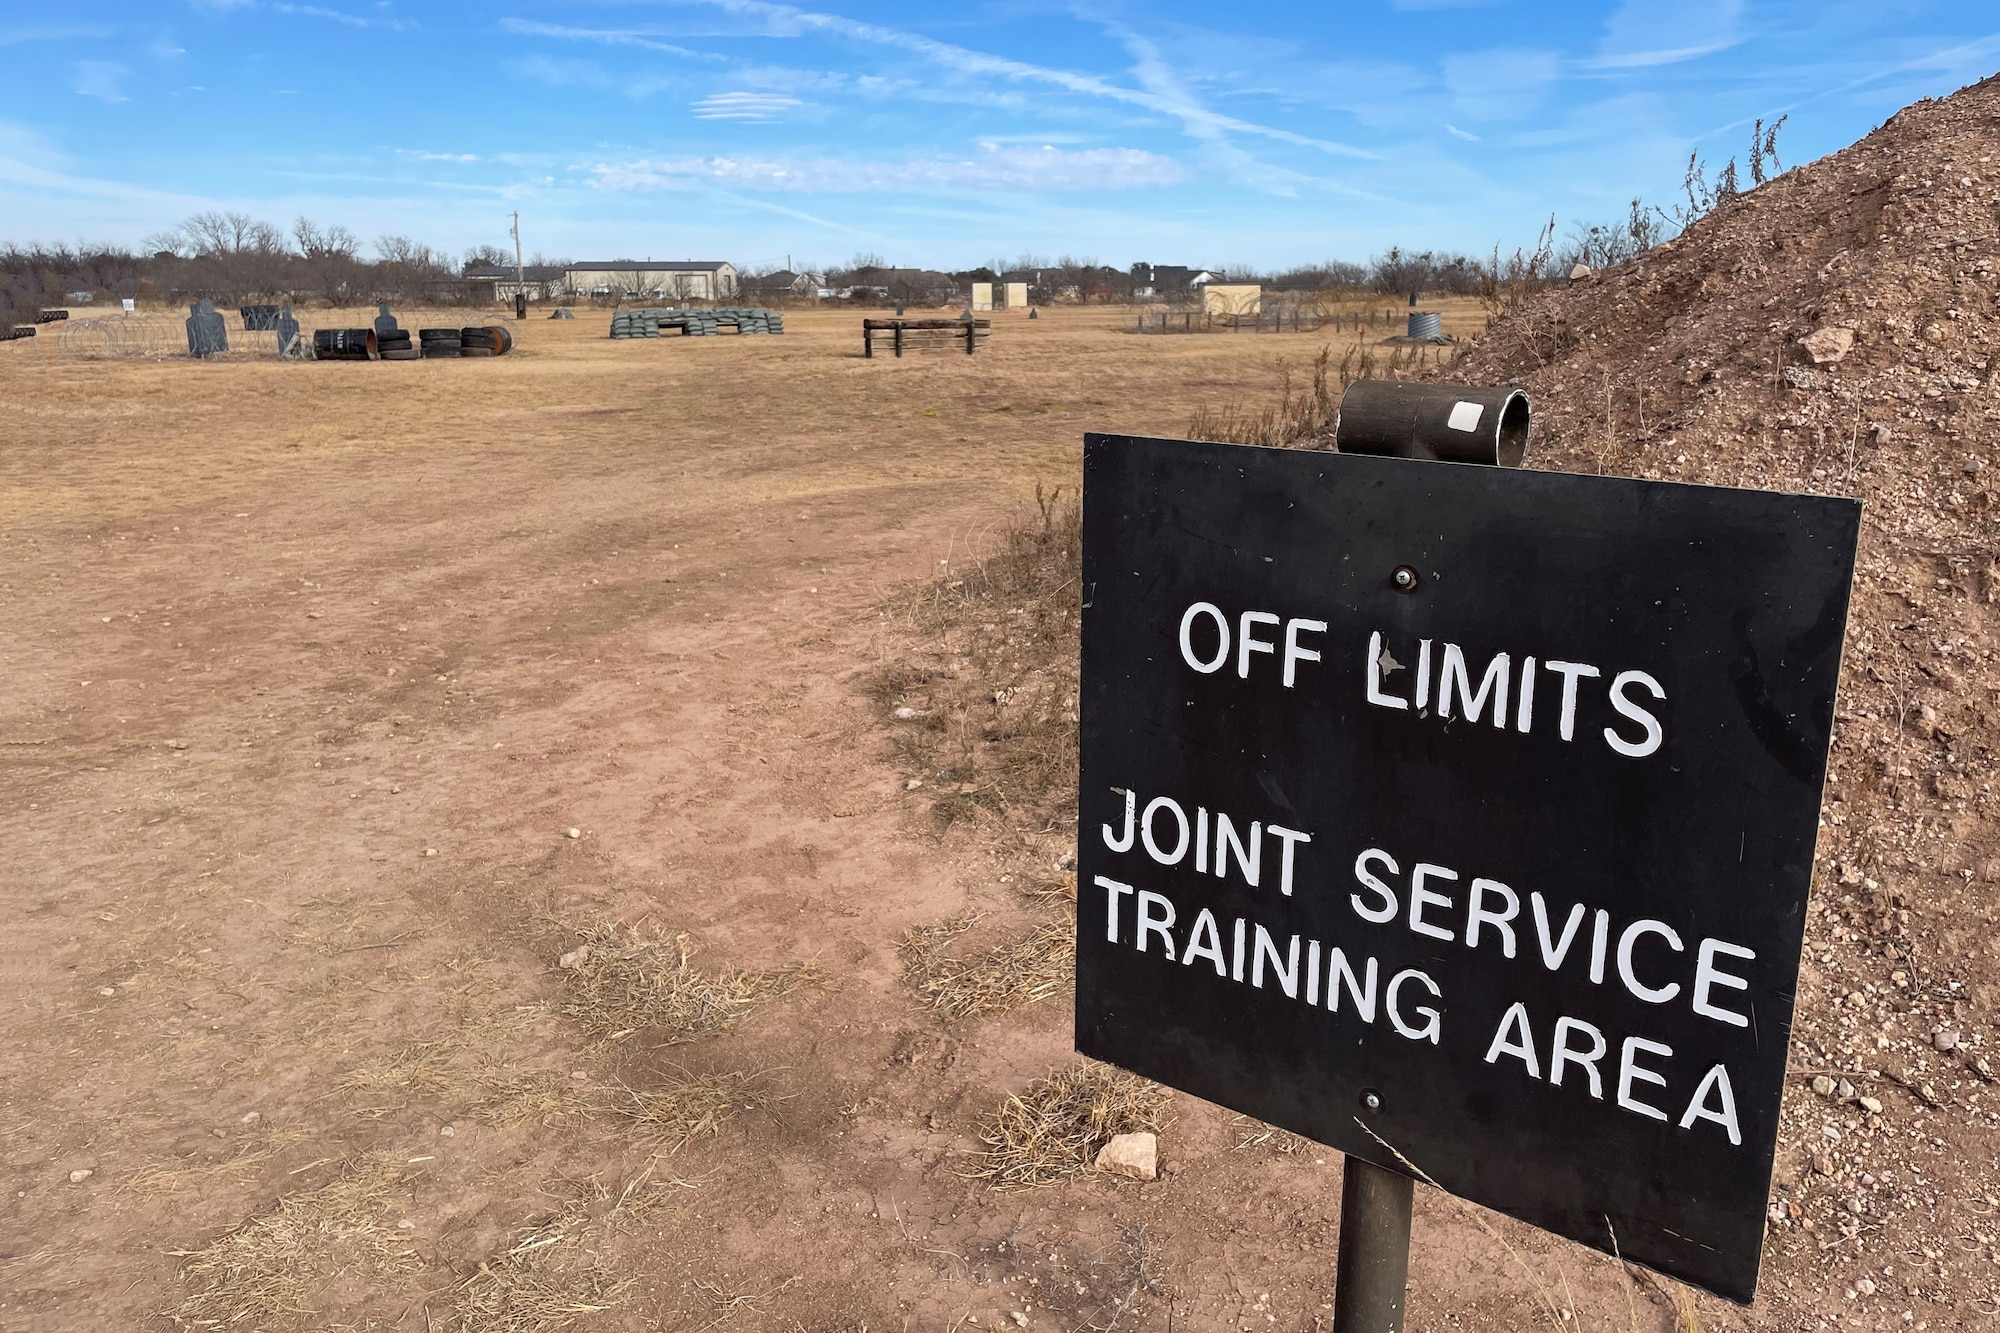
1460, 818
1371, 1274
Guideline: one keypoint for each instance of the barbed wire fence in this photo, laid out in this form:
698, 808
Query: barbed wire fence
161, 335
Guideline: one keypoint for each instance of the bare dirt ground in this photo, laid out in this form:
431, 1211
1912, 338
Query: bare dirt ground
344, 700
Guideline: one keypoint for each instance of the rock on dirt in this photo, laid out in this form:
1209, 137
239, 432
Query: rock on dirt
81, 1174
1827, 346
574, 959
1135, 1155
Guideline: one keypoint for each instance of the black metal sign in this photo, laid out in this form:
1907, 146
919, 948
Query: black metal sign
1462, 819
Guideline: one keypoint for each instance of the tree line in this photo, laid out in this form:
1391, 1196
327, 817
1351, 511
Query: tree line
231, 257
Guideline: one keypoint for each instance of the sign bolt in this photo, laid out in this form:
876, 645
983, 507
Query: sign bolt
1404, 579
1372, 1100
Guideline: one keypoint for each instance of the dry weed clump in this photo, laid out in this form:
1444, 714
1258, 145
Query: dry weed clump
1306, 416
622, 983
695, 1108
158, 1178
1008, 976
277, 1267
415, 1069
554, 1274
532, 1096
985, 712
1054, 1130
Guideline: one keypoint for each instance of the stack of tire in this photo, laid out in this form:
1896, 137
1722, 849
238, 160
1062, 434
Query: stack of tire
492, 340
438, 342
396, 346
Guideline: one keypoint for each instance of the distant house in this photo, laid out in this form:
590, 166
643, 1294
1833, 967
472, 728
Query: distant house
538, 282
671, 279
784, 282
1160, 281
681, 279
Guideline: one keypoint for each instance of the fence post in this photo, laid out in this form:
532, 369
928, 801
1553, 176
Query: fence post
899, 338
867, 338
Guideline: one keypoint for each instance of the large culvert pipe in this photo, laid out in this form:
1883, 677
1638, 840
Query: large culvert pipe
345, 345
1444, 422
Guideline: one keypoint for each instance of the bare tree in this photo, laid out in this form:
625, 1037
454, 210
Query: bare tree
329, 255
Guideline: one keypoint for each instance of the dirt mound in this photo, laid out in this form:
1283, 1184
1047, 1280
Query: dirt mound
1835, 330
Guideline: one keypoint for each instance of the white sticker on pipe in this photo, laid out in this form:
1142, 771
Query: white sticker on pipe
1465, 416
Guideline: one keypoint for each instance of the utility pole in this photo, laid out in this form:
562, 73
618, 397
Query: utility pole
520, 273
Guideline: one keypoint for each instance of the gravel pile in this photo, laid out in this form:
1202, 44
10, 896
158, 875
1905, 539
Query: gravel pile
1835, 331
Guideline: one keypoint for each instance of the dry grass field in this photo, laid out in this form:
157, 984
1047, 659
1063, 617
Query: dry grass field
460, 873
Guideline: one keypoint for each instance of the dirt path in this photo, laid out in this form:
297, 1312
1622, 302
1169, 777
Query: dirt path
311, 673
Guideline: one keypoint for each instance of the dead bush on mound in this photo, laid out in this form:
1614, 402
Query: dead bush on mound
278, 1266
1008, 976
1306, 417
1054, 1130
695, 1108
622, 983
985, 710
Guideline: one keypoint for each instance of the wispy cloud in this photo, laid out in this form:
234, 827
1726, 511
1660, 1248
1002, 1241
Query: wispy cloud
425, 155
1457, 133
1500, 84
994, 168
782, 20
344, 18
605, 36
102, 79
758, 108
1645, 33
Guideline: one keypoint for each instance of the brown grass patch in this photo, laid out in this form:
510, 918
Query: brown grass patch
991, 689
1253, 1133
533, 1096
695, 1108
1054, 1129
623, 983
555, 1272
276, 1267
172, 1177
1008, 976
416, 1069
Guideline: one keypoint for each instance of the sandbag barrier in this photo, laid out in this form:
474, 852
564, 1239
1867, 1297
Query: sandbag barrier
696, 323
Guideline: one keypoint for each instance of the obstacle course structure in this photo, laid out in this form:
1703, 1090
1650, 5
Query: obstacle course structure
696, 323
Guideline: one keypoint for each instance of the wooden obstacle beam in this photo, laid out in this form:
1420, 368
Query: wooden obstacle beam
925, 334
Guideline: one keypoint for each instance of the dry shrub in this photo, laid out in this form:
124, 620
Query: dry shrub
275, 1267
1007, 976
1253, 1133
171, 1177
695, 1108
1307, 417
624, 983
1054, 1130
992, 689
532, 1096
554, 1273
415, 1069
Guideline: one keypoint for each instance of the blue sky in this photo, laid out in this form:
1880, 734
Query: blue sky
929, 133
